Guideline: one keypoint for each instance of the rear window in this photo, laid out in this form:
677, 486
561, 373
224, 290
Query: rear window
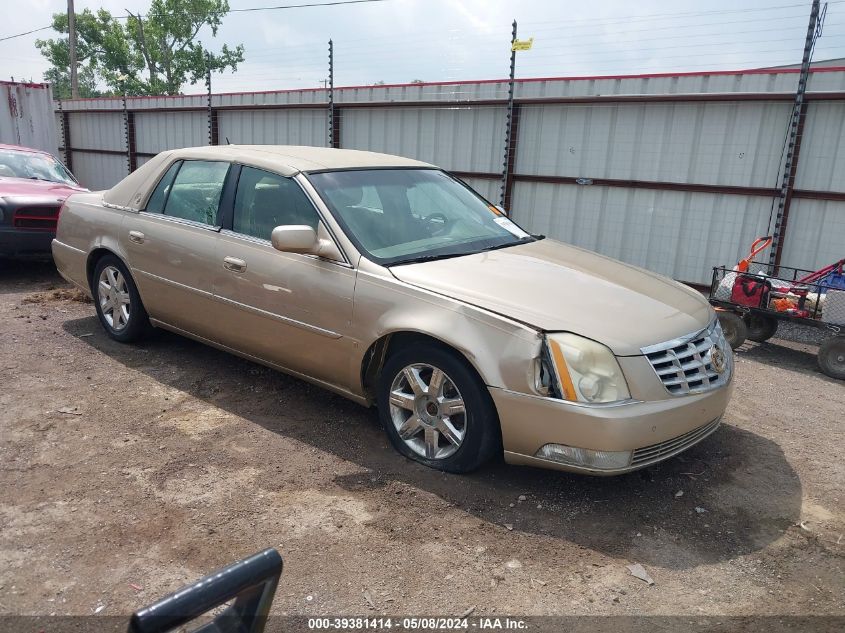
190, 190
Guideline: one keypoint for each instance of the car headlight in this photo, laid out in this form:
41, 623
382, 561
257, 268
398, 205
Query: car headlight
586, 371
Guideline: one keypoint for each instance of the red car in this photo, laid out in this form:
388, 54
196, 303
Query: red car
33, 186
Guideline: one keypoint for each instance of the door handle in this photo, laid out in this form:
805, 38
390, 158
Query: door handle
136, 236
234, 264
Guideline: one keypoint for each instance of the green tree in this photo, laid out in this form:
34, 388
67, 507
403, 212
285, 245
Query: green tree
100, 38
156, 53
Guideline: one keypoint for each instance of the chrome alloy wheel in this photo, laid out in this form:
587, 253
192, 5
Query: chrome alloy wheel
428, 411
113, 294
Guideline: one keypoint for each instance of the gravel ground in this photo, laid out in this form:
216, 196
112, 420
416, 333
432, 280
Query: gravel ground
795, 333
128, 471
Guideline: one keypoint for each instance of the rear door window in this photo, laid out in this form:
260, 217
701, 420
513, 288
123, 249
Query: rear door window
196, 190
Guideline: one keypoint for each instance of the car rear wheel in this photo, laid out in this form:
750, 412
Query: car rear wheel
832, 357
436, 410
117, 301
760, 328
733, 327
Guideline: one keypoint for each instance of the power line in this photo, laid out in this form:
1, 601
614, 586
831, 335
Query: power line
303, 6
333, 3
11, 37
460, 35
652, 16
592, 21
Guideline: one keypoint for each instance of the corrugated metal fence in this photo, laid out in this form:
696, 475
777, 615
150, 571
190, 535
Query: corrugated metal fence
674, 173
26, 115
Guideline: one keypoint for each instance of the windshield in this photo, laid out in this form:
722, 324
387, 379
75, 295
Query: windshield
400, 216
33, 165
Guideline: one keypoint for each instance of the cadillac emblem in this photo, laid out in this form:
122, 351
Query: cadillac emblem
718, 359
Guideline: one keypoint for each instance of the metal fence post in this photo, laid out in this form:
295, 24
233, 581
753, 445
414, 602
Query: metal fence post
68, 140
133, 154
334, 127
64, 125
507, 165
793, 142
213, 131
128, 135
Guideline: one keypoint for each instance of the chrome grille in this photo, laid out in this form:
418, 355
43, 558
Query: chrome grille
662, 450
685, 365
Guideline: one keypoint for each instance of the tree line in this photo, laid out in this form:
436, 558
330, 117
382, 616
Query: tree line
150, 54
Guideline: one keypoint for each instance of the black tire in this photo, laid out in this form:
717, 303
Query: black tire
832, 357
138, 323
733, 327
481, 432
760, 327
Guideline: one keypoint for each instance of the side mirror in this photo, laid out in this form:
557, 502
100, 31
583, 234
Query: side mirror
301, 238
294, 238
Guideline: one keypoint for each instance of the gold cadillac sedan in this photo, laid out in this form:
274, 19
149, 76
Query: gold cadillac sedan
394, 284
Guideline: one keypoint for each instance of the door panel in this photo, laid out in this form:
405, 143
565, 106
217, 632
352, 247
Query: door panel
171, 265
292, 310
171, 247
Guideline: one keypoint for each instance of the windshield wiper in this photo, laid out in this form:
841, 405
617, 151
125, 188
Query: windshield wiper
429, 258
522, 240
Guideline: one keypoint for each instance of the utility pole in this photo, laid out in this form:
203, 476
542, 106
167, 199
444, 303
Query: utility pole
71, 27
793, 139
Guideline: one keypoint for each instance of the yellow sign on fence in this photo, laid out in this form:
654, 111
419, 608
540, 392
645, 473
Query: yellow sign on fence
522, 45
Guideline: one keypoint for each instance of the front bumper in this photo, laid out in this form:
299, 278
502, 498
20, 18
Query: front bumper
18, 243
654, 430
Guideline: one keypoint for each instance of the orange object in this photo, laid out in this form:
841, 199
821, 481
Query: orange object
783, 304
760, 244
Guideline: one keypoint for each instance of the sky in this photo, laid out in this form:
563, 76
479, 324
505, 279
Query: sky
397, 41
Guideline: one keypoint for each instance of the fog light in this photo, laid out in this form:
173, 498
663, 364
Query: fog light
601, 460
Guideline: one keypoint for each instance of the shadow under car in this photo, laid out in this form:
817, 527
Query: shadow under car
738, 492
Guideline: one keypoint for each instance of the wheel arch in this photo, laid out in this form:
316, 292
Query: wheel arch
383, 347
95, 256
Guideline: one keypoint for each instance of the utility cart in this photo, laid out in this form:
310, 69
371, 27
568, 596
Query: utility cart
751, 303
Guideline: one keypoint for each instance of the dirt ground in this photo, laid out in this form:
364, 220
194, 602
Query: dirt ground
128, 471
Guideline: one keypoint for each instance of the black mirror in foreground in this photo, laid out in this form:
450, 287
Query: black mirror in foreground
251, 583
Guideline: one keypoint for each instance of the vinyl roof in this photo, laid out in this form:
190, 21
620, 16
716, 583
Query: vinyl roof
291, 159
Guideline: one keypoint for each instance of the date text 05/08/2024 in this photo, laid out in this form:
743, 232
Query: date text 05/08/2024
417, 623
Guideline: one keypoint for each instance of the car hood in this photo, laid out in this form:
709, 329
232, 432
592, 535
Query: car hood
29, 187
558, 287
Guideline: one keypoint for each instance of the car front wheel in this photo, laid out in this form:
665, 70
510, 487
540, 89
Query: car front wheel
436, 410
117, 301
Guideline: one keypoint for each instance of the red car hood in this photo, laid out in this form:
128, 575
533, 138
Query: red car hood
29, 187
